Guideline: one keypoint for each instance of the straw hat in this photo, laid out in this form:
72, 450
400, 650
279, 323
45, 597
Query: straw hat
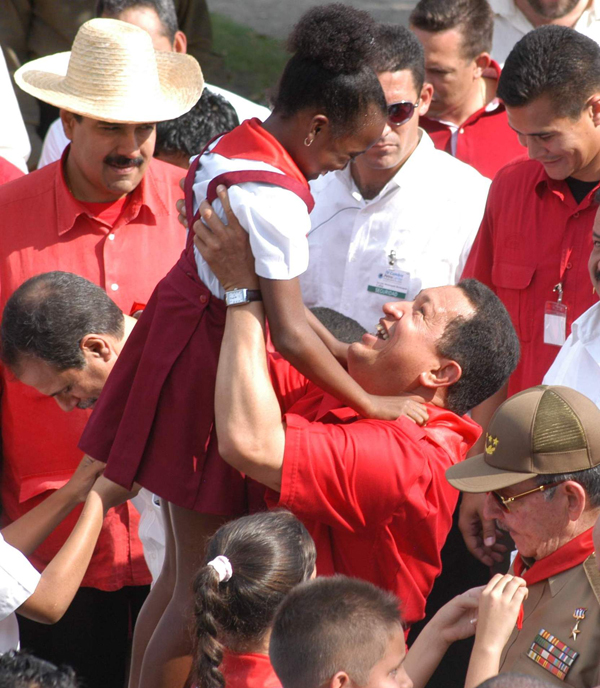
114, 74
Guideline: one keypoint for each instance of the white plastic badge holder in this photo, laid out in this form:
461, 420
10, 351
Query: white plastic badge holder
555, 323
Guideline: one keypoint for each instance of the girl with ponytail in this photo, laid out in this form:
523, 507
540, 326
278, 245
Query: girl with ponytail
252, 563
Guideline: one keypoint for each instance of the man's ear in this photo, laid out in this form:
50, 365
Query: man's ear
482, 62
69, 123
446, 375
594, 105
180, 42
576, 498
425, 99
96, 346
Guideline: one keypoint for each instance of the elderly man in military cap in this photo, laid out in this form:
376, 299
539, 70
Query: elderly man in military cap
541, 472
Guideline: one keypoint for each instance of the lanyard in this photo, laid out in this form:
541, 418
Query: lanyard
564, 263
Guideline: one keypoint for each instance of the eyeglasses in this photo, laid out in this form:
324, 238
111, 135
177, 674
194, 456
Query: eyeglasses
399, 113
503, 502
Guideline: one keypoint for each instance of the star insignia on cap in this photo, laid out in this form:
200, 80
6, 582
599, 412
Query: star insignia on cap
491, 443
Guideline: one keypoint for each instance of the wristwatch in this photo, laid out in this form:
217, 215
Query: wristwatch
238, 297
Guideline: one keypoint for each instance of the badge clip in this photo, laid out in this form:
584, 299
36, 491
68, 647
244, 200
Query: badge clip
579, 616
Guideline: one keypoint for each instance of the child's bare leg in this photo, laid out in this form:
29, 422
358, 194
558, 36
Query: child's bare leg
168, 657
156, 602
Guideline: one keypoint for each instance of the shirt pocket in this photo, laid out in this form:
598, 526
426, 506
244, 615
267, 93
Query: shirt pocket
512, 284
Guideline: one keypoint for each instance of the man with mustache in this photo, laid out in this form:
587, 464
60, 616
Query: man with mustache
106, 212
514, 18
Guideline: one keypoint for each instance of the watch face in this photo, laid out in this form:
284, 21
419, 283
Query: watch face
236, 297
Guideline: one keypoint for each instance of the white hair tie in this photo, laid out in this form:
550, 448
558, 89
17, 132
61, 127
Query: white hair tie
222, 566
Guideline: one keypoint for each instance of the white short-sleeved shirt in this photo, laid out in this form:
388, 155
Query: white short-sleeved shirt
510, 25
276, 219
578, 362
56, 141
18, 581
426, 217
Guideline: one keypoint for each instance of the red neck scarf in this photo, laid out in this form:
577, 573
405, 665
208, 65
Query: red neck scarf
573, 553
252, 141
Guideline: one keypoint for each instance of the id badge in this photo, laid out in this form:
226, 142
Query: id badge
555, 323
393, 283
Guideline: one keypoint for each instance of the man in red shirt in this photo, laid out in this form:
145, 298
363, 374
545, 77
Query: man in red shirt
465, 117
106, 212
536, 236
372, 493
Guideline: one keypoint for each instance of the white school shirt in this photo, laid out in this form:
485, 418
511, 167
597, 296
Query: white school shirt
18, 581
578, 362
56, 140
276, 219
510, 25
428, 214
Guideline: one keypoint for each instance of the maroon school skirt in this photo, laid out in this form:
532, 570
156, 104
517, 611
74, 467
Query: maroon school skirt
154, 421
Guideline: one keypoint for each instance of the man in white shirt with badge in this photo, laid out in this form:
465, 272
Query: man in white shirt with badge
514, 18
402, 216
578, 362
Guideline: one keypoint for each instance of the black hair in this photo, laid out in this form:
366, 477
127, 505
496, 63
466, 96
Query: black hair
330, 68
165, 10
473, 18
589, 479
187, 135
396, 48
513, 680
269, 553
485, 346
552, 61
48, 316
328, 625
23, 670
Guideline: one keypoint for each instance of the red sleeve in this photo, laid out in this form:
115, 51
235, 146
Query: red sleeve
289, 385
350, 475
481, 258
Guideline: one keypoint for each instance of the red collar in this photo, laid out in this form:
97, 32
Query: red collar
573, 553
146, 195
252, 141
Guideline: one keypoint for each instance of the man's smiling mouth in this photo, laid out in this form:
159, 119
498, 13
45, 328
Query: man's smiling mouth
381, 332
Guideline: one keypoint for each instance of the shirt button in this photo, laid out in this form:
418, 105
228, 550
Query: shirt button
111, 237
569, 266
461, 131
203, 298
114, 287
576, 214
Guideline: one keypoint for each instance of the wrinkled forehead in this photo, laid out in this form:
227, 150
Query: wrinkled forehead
451, 300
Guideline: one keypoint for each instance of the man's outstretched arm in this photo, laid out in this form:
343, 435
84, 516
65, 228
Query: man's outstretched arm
250, 429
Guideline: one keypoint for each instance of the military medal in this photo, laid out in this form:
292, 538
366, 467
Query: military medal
551, 654
578, 615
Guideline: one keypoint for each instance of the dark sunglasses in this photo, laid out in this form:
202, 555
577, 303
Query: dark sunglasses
399, 113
